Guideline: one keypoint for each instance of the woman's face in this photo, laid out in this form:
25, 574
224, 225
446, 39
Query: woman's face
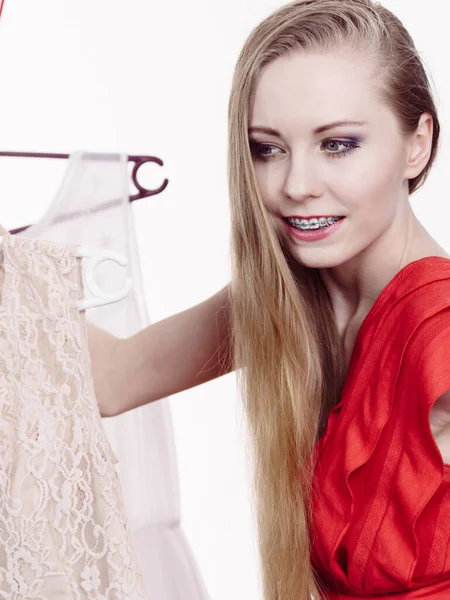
306, 167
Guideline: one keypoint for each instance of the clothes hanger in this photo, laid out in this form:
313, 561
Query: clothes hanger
138, 161
99, 255
100, 297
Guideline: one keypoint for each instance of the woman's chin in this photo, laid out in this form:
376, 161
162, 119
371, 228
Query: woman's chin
316, 259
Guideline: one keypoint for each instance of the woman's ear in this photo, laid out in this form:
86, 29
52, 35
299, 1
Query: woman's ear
419, 147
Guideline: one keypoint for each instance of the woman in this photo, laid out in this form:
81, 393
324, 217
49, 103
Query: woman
339, 309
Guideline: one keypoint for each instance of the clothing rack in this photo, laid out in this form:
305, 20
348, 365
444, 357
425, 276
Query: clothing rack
138, 161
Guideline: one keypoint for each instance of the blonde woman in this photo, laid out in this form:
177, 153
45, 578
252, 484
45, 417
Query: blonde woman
338, 315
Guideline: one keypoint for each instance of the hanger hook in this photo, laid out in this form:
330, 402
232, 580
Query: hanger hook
139, 161
101, 297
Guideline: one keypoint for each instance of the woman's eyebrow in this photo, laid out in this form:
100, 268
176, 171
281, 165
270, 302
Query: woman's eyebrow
267, 130
318, 130
341, 123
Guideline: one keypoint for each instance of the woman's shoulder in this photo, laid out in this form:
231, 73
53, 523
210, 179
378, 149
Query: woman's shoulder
426, 314
419, 291
410, 318
416, 294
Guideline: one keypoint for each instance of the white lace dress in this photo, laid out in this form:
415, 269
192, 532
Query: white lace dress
63, 531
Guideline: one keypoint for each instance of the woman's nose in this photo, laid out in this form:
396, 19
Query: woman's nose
302, 180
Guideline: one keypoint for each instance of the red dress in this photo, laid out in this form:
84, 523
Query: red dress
381, 506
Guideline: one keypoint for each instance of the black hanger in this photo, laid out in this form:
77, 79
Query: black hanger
138, 160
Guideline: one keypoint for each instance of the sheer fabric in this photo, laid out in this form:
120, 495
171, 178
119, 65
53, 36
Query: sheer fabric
92, 209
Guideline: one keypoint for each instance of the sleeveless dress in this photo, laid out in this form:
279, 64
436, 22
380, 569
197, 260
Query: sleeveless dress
92, 208
381, 503
63, 529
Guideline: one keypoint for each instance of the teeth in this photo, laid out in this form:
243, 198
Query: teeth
313, 223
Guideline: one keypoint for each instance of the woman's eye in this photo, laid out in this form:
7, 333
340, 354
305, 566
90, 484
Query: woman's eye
333, 148
263, 151
339, 148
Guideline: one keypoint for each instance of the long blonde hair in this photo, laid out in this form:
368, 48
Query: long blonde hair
284, 333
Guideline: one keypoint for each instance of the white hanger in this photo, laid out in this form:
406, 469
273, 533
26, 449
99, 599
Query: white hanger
99, 255
100, 297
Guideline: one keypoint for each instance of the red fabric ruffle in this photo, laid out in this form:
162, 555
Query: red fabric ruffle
382, 495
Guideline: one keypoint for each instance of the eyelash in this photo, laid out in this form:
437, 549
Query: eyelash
350, 145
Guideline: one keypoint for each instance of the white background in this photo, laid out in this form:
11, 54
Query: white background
153, 77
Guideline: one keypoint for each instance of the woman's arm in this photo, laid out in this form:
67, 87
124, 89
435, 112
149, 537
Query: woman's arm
172, 355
